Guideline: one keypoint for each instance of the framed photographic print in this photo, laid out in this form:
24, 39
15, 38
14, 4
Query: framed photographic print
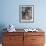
26, 13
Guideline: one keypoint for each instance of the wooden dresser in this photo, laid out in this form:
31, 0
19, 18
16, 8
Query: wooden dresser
23, 39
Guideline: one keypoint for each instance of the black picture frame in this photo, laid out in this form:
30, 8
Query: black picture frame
26, 13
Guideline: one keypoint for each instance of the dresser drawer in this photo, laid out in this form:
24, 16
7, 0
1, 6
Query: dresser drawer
34, 33
13, 44
8, 45
37, 44
13, 33
12, 39
37, 39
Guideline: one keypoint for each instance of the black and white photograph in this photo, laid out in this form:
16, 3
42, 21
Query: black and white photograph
26, 13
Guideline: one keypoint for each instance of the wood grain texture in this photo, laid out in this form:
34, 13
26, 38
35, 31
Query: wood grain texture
34, 39
13, 39
23, 39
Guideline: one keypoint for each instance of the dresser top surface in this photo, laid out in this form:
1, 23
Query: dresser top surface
22, 30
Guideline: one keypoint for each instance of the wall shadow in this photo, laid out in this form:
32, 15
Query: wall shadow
2, 29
